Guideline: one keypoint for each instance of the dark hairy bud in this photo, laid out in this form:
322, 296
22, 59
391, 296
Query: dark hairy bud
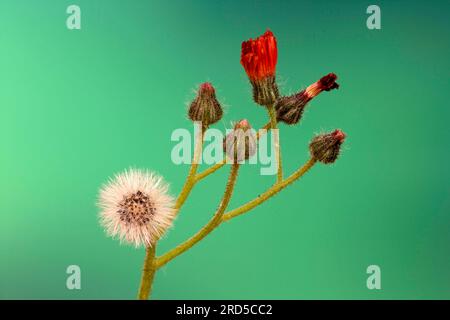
205, 107
326, 147
290, 108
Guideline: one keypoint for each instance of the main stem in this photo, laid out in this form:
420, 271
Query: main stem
149, 269
148, 273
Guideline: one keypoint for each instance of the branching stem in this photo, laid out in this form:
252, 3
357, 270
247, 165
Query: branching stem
209, 227
220, 217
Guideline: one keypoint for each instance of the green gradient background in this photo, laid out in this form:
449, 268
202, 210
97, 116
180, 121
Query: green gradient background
79, 106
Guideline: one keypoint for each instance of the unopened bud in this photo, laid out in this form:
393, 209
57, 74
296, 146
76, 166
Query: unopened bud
240, 144
326, 147
205, 107
290, 108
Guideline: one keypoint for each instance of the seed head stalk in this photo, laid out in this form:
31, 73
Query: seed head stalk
148, 273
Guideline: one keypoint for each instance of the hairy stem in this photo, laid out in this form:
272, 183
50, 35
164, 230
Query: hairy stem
190, 179
209, 227
148, 273
270, 192
273, 125
222, 217
209, 171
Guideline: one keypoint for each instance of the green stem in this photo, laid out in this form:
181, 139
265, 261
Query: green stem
149, 269
148, 273
213, 223
273, 125
190, 179
209, 227
270, 192
209, 171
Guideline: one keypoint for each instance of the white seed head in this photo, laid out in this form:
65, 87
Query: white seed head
136, 208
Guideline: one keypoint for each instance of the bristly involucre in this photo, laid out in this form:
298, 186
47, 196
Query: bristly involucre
136, 207
205, 107
326, 147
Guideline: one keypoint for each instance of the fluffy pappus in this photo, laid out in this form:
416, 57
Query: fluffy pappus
136, 207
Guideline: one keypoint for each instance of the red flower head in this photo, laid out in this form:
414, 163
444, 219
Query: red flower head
259, 56
259, 59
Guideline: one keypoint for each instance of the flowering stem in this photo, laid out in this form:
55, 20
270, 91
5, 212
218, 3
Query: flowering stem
190, 179
277, 187
209, 171
273, 125
213, 223
149, 269
148, 273
210, 226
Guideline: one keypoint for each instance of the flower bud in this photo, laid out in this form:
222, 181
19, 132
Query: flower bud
240, 144
290, 108
205, 107
326, 147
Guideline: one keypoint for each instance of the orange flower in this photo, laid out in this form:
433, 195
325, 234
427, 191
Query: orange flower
259, 56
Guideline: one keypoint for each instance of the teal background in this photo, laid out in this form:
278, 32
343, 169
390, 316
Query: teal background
78, 106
